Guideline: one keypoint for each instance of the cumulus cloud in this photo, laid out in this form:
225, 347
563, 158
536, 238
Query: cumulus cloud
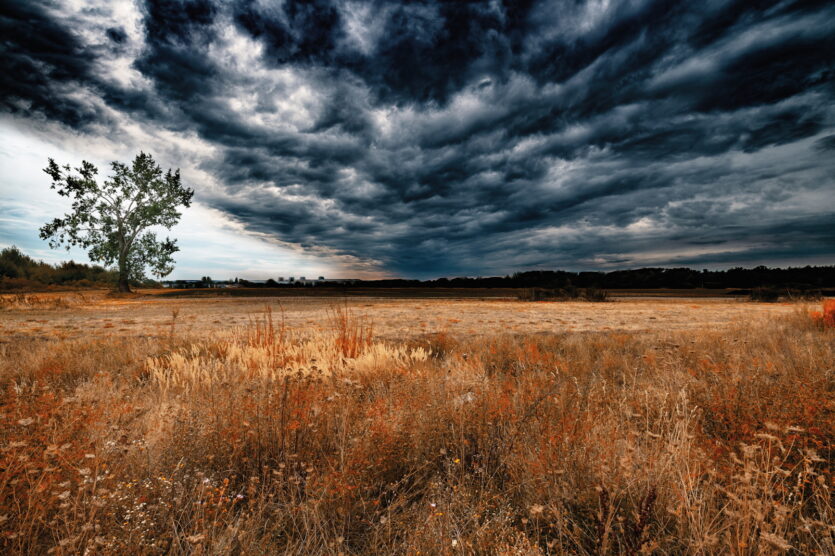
431, 138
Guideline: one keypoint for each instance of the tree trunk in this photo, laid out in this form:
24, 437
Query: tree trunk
124, 285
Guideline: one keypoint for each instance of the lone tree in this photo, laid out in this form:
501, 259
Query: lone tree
111, 220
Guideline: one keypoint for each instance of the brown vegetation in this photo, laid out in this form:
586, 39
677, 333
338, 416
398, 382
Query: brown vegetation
563, 294
269, 438
26, 301
21, 272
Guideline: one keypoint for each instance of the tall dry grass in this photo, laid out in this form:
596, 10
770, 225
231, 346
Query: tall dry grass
270, 440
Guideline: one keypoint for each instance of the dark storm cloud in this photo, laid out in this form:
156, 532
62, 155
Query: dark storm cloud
38, 58
117, 35
473, 137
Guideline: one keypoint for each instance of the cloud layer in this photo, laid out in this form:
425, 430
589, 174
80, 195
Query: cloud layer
432, 138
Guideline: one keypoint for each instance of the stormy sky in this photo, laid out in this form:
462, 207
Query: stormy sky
427, 138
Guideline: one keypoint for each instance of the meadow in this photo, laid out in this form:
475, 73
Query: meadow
156, 425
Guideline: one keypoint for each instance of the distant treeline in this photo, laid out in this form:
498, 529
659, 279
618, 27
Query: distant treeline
20, 271
800, 278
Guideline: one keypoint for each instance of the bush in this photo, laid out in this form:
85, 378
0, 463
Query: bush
804, 295
563, 294
8, 269
16, 283
20, 271
596, 295
767, 295
825, 318
537, 294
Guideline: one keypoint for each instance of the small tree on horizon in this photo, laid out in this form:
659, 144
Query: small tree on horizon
111, 220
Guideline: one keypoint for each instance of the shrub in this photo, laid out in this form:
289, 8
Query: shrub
596, 295
19, 271
537, 294
804, 295
768, 295
563, 294
825, 318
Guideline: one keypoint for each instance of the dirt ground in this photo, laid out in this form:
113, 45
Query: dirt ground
69, 315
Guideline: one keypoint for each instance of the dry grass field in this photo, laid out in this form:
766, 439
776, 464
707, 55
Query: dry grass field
154, 425
84, 314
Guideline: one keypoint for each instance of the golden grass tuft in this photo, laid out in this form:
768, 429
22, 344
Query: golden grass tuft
825, 318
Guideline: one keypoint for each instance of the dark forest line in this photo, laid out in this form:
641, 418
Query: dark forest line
18, 270
797, 278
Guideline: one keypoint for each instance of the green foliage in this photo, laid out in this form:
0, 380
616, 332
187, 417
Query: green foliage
12, 262
20, 271
111, 219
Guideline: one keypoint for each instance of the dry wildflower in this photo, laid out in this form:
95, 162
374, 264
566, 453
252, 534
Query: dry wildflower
776, 541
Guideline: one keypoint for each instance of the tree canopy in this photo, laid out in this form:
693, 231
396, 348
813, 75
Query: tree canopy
111, 219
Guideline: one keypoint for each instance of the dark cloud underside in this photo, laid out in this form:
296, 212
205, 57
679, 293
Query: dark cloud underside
472, 137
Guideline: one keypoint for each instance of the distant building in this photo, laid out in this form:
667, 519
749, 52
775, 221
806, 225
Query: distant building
340, 281
184, 284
